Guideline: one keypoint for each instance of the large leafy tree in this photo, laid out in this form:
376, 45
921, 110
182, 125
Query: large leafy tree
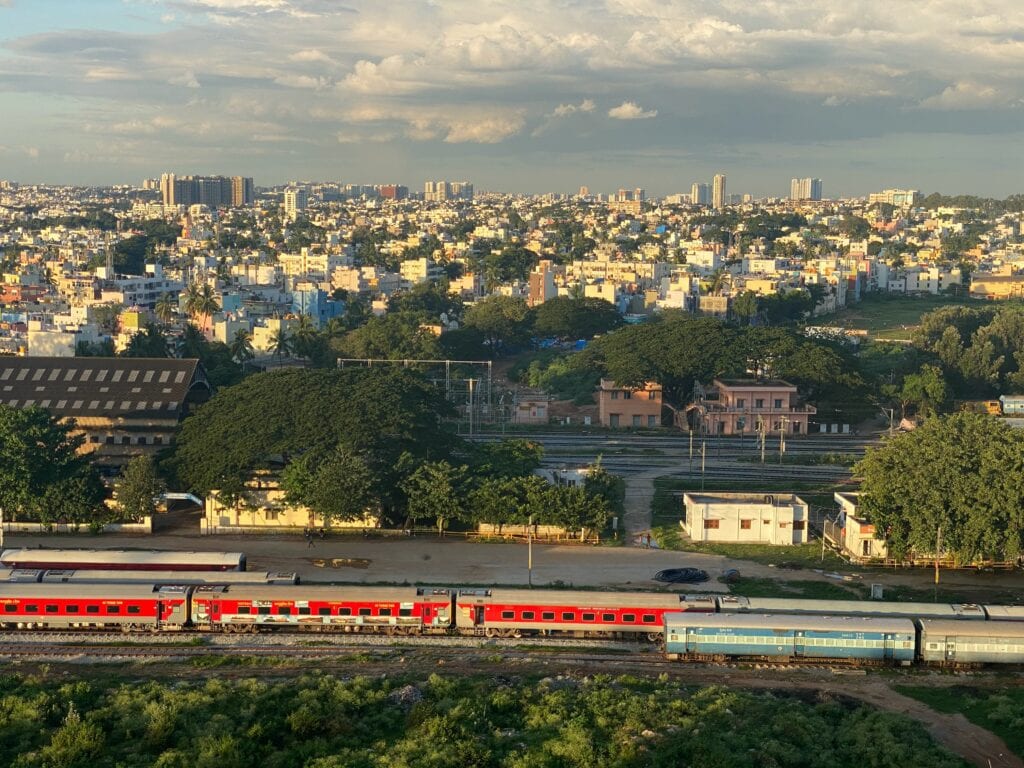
957, 478
567, 318
338, 486
395, 336
390, 417
501, 319
138, 488
42, 475
437, 491
149, 342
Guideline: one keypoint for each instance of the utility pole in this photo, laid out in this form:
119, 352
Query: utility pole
691, 450
762, 433
938, 546
782, 436
703, 445
471, 381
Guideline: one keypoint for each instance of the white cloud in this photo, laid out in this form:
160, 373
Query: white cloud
969, 94
630, 110
564, 110
32, 152
187, 79
310, 55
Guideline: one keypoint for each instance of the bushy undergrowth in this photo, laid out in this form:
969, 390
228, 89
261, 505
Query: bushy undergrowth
320, 721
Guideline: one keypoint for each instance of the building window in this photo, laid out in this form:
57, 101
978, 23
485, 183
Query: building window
636, 421
759, 403
783, 524
778, 402
615, 395
798, 525
627, 395
741, 402
652, 395
652, 421
710, 524
746, 524
613, 420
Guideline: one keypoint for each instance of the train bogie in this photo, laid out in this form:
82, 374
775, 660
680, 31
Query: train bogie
955, 643
510, 612
398, 610
790, 636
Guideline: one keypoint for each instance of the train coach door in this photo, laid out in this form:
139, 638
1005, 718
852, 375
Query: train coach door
798, 644
478, 615
950, 649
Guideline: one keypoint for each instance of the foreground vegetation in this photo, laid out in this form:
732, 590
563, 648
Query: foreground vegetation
999, 711
320, 721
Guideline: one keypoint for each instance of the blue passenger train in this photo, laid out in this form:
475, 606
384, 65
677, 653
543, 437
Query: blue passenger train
714, 637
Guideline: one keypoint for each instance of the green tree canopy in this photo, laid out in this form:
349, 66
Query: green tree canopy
138, 488
961, 474
389, 417
338, 486
501, 319
567, 318
42, 475
394, 336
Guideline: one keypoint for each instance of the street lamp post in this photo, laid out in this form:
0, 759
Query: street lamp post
782, 436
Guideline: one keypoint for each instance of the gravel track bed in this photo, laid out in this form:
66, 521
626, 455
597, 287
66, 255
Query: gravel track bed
302, 639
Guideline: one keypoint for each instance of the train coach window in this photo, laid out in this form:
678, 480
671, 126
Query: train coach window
589, 616
508, 615
284, 610
51, 609
629, 617
649, 618
11, 608
134, 609
384, 612
548, 616
263, 610
344, 611
242, 609
607, 617
304, 610
71, 608
113, 609
324, 611
364, 611
528, 615
568, 616
92, 609
405, 611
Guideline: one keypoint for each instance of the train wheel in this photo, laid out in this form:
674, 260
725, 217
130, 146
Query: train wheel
654, 637
491, 632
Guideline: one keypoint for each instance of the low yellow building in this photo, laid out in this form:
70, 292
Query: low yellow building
265, 508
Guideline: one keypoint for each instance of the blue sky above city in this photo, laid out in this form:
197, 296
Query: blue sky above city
529, 96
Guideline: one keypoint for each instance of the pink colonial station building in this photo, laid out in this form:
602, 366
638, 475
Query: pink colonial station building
738, 406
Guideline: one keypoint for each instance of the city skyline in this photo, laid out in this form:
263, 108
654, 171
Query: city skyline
531, 97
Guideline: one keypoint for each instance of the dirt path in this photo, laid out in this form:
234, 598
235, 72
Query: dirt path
639, 495
956, 733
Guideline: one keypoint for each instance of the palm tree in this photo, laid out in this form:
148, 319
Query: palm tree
303, 336
281, 343
201, 301
241, 346
166, 308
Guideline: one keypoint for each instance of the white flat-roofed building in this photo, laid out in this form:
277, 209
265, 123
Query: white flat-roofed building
751, 518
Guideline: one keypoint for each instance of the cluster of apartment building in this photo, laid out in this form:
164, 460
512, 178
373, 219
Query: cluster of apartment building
642, 256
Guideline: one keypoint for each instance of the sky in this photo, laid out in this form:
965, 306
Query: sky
519, 96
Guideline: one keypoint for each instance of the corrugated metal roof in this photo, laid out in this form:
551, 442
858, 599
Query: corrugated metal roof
103, 387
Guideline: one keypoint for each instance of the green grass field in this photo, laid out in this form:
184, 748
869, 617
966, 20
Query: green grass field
890, 317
